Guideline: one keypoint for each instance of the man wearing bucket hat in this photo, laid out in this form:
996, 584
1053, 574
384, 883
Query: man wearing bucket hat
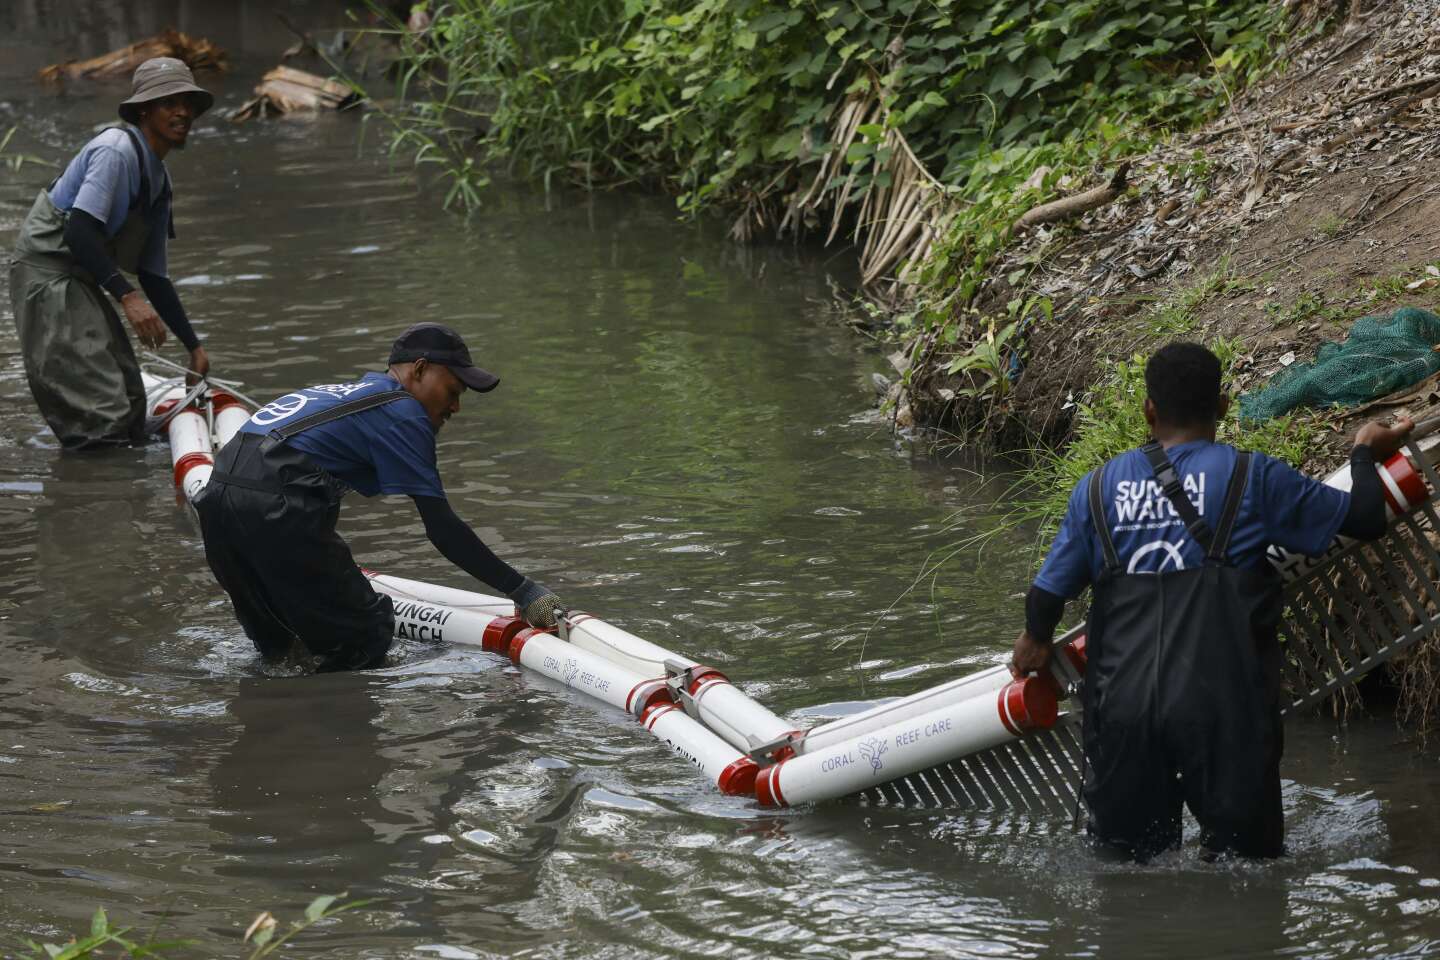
108, 212
269, 512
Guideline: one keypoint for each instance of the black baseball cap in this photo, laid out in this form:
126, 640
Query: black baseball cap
437, 343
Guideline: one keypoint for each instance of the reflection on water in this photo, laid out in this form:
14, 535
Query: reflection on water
682, 444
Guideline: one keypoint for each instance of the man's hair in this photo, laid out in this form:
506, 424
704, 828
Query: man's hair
1183, 381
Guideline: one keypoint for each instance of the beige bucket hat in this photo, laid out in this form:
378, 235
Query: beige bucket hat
162, 77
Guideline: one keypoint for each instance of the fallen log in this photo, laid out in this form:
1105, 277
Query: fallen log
287, 90
1077, 204
198, 54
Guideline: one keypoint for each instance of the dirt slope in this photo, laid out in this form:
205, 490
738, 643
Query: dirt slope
1312, 200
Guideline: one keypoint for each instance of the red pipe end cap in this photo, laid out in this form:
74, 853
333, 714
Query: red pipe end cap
1029, 704
700, 675
654, 711
517, 642
767, 787
647, 694
499, 633
738, 779
189, 462
1408, 479
165, 407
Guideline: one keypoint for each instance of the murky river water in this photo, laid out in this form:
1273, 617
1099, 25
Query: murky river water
683, 445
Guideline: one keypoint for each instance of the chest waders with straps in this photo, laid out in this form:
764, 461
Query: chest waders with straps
1181, 696
78, 359
268, 518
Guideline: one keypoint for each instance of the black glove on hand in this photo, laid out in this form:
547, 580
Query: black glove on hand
537, 604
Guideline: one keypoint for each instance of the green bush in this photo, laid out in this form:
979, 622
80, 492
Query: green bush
724, 100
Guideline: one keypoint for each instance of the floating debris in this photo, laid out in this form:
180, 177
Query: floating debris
287, 90
198, 54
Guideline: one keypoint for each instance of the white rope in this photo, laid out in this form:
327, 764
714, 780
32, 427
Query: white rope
229, 386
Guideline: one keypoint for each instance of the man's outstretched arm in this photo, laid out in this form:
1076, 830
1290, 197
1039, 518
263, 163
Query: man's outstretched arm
460, 545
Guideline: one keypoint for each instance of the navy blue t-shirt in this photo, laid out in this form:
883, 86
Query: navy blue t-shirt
1281, 506
386, 449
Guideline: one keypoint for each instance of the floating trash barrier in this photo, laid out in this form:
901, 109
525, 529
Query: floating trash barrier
982, 740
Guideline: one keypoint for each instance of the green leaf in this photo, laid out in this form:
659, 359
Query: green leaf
318, 906
263, 936
98, 923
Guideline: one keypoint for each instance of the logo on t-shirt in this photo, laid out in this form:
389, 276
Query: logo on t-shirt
292, 403
1142, 505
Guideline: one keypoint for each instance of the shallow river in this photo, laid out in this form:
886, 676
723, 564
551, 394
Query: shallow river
683, 444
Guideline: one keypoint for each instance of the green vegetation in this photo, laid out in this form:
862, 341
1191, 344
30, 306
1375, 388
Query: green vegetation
15, 160
1112, 420
106, 940
731, 101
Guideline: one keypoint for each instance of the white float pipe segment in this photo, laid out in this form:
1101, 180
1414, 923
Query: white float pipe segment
621, 646
912, 744
588, 673
987, 681
190, 449
402, 588
230, 415
723, 765
739, 720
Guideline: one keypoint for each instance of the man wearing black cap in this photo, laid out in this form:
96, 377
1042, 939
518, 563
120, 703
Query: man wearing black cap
268, 514
109, 211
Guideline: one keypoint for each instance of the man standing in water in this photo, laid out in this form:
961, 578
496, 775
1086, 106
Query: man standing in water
109, 211
268, 514
1182, 682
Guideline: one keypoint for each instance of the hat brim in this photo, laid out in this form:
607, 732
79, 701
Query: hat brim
130, 109
481, 381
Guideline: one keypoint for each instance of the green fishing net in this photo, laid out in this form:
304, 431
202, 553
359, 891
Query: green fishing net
1379, 356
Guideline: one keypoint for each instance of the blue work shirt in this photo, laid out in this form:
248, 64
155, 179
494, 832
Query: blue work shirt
1281, 506
386, 449
103, 179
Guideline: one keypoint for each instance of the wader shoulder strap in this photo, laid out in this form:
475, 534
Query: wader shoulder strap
145, 192
1174, 491
1097, 520
144, 175
1239, 479
343, 409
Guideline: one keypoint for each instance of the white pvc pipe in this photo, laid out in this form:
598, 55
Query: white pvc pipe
914, 743
620, 646
190, 451
988, 681
734, 716
230, 416
590, 674
723, 765
434, 623
401, 588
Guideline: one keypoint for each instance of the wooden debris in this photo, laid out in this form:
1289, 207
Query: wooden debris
1077, 204
198, 54
287, 90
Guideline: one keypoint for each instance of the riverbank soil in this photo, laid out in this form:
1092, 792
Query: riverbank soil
1312, 200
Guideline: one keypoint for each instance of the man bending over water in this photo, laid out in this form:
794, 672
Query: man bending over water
269, 512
